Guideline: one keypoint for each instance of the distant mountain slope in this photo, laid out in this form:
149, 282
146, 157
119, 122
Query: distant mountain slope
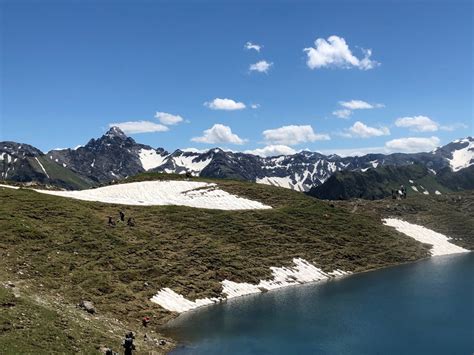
115, 156
24, 163
378, 183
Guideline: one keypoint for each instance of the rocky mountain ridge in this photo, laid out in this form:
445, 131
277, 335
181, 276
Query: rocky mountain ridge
114, 156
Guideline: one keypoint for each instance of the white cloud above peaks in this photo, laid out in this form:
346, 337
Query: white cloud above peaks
359, 105
335, 53
262, 66
412, 144
417, 123
218, 134
292, 135
256, 47
361, 130
225, 104
134, 127
168, 118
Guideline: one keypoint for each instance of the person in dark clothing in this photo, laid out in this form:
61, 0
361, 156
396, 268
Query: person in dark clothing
145, 321
131, 222
111, 222
122, 216
128, 343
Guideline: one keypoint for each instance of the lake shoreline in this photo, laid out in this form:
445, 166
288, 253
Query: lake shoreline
179, 343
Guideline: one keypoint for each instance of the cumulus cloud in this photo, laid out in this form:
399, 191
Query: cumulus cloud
335, 53
133, 127
417, 123
272, 150
219, 134
292, 135
225, 104
249, 45
262, 66
168, 118
359, 105
412, 144
344, 113
361, 130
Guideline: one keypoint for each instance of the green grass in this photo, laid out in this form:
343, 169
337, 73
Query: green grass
28, 326
66, 246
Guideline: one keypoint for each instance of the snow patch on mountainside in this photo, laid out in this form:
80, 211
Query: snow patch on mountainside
42, 167
191, 163
150, 158
152, 193
464, 157
9, 186
276, 181
302, 272
440, 242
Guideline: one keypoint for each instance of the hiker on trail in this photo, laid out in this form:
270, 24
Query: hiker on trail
131, 222
403, 191
145, 321
122, 216
109, 351
128, 343
111, 222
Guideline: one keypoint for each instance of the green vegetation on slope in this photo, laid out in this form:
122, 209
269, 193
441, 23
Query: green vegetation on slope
33, 326
378, 183
64, 177
450, 214
61, 246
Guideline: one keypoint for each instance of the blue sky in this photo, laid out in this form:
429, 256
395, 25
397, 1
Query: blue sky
70, 69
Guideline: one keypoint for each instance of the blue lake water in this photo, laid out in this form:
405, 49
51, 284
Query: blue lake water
421, 308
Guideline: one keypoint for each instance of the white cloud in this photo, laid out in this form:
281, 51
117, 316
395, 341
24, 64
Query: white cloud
292, 135
255, 106
249, 45
272, 150
262, 66
219, 134
361, 130
417, 123
225, 104
132, 127
359, 105
412, 144
335, 53
344, 113
168, 118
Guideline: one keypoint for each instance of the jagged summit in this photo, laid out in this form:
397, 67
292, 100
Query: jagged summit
115, 131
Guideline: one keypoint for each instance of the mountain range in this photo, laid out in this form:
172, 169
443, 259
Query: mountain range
115, 156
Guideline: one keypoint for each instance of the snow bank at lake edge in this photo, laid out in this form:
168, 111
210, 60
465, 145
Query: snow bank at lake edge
440, 242
302, 272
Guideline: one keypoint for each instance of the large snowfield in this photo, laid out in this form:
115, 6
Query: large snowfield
302, 272
440, 242
160, 193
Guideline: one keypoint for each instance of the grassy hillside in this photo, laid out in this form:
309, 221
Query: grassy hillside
63, 250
